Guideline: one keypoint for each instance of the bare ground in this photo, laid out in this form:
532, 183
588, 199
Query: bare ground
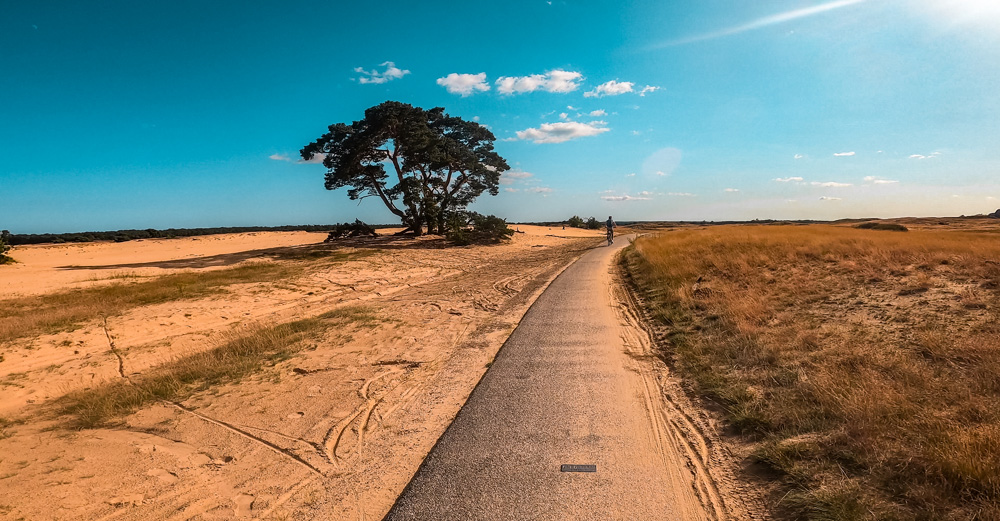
335, 431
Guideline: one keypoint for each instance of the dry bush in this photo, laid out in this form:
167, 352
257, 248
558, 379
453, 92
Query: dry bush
241, 353
866, 365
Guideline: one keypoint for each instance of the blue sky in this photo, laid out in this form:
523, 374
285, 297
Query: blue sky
181, 114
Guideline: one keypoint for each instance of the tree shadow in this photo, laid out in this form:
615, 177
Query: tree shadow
304, 252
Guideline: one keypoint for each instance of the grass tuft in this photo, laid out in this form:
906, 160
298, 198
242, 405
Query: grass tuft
241, 354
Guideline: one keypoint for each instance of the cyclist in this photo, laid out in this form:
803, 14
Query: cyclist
611, 230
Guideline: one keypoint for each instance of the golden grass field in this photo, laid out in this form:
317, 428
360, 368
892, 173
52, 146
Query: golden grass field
861, 368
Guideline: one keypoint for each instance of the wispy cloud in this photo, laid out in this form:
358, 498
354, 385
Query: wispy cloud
511, 176
647, 89
825, 198
610, 88
539, 190
560, 132
760, 23
787, 179
932, 155
279, 157
390, 73
799, 156
843, 154
553, 81
879, 181
732, 190
624, 198
464, 84
830, 184
598, 113
681, 194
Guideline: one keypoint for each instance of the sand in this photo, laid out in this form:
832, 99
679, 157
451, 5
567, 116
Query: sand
336, 431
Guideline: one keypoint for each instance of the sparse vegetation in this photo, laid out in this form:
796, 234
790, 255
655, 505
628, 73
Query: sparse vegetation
26, 316
241, 354
870, 402
575, 222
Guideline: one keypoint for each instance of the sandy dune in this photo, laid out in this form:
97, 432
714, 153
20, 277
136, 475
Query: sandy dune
334, 432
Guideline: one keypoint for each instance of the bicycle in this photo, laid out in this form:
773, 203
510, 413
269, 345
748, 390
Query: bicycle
611, 236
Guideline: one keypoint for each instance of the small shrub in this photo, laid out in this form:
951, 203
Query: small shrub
576, 222
593, 224
472, 228
356, 229
891, 227
4, 247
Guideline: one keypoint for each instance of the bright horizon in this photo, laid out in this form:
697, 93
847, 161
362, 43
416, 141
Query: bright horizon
184, 115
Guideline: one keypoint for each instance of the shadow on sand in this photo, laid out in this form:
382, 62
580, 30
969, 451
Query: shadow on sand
305, 252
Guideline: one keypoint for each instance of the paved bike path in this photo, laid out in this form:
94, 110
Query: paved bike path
559, 392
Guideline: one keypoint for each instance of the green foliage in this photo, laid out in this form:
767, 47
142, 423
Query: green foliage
4, 247
872, 225
593, 224
472, 228
439, 163
576, 222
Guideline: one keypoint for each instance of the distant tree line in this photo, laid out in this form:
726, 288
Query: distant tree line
15, 239
577, 222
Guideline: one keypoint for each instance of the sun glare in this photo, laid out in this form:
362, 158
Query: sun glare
966, 11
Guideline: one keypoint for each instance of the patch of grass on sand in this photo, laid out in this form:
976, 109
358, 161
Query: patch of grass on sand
242, 354
27, 316
870, 401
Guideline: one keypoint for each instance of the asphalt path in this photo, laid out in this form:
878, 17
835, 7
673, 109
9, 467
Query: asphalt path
561, 391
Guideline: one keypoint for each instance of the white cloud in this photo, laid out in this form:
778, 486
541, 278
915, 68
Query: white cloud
511, 190
787, 179
624, 198
390, 73
879, 181
610, 88
799, 156
830, 184
597, 113
661, 173
539, 190
681, 194
511, 176
825, 198
571, 107
630, 175
559, 132
279, 157
464, 84
732, 190
933, 155
843, 154
648, 89
552, 81
563, 116
636, 132
317, 159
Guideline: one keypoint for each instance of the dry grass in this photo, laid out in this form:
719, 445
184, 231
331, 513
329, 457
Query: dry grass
864, 364
242, 353
30, 316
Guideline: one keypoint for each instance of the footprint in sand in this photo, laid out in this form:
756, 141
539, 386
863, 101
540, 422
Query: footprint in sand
243, 503
295, 415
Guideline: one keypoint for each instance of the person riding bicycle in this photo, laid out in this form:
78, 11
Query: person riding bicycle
611, 229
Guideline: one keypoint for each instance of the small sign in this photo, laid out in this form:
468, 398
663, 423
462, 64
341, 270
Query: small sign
578, 468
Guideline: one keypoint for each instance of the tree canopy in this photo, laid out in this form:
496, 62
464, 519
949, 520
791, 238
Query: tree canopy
422, 164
